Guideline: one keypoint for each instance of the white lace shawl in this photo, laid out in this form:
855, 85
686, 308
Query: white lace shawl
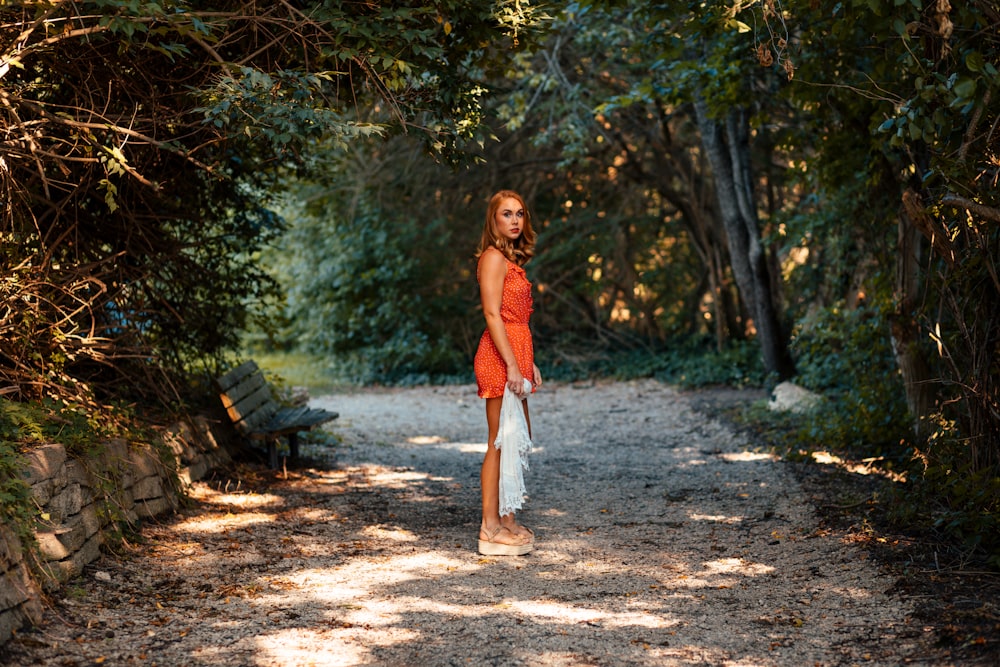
514, 444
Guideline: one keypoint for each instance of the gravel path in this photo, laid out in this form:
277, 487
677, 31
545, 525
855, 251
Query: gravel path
662, 539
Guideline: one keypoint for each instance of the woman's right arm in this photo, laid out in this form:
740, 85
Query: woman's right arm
492, 270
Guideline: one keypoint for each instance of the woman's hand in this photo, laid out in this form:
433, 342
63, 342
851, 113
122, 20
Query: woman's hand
537, 379
515, 381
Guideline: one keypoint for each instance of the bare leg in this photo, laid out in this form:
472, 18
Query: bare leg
489, 479
508, 521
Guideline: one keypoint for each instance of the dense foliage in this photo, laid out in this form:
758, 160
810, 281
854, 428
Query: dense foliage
142, 140
902, 97
871, 147
812, 184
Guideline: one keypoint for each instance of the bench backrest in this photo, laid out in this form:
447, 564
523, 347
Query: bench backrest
247, 397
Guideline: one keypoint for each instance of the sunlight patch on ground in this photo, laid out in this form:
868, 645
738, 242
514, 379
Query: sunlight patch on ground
386, 612
562, 613
464, 447
722, 573
215, 523
337, 585
396, 535
716, 518
864, 467
323, 586
237, 500
312, 514
738, 457
394, 479
737, 566
425, 440
552, 511
301, 646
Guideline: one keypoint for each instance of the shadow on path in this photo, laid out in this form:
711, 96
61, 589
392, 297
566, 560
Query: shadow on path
662, 539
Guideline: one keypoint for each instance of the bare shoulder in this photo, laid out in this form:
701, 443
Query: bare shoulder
492, 263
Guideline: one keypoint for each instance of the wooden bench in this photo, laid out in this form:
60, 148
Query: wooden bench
258, 416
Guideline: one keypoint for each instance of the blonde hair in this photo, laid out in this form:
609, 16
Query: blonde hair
518, 251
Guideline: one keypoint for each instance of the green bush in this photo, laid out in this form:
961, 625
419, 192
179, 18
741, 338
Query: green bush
846, 355
21, 425
689, 363
958, 504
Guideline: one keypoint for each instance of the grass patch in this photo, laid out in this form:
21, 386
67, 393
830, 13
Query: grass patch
298, 369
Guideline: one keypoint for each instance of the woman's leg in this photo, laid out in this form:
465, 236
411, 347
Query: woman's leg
489, 480
509, 521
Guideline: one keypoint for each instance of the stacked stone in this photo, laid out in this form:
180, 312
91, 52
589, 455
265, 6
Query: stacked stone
19, 596
78, 500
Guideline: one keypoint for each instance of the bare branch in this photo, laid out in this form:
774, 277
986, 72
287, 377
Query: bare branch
951, 199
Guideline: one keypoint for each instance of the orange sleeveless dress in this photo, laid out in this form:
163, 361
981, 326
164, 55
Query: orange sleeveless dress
516, 306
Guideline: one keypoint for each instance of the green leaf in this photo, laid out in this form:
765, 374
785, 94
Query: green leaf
974, 61
965, 88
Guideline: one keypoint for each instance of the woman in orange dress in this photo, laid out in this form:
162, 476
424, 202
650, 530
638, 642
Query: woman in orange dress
505, 356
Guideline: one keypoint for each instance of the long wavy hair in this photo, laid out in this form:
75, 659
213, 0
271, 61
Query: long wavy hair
519, 251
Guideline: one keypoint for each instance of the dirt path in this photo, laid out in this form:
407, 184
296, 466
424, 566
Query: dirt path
661, 540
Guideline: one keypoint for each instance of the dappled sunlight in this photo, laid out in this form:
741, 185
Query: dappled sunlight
425, 440
716, 518
399, 479
464, 447
717, 574
312, 514
396, 535
213, 523
863, 467
551, 512
693, 462
324, 585
335, 584
737, 566
743, 457
374, 561
298, 646
548, 611
235, 500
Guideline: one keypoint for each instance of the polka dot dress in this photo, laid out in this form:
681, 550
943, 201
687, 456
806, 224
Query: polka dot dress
516, 306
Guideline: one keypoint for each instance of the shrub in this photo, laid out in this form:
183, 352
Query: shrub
846, 355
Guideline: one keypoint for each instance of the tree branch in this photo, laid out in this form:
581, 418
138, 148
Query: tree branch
951, 199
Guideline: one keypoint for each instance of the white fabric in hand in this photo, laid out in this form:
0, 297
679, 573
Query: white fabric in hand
514, 444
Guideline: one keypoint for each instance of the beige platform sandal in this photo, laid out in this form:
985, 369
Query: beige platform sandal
488, 547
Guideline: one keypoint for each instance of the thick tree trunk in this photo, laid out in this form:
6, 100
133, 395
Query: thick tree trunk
727, 148
917, 380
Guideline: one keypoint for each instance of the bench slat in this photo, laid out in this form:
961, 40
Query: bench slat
234, 376
254, 410
243, 389
296, 419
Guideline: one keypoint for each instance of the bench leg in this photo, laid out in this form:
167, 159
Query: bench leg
272, 453
293, 446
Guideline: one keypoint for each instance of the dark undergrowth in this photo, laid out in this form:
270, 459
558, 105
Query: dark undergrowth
956, 589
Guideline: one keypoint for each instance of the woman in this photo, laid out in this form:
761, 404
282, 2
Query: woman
505, 356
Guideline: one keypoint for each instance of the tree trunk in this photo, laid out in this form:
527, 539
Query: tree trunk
917, 380
728, 150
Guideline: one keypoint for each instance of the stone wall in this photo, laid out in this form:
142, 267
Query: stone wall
80, 501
